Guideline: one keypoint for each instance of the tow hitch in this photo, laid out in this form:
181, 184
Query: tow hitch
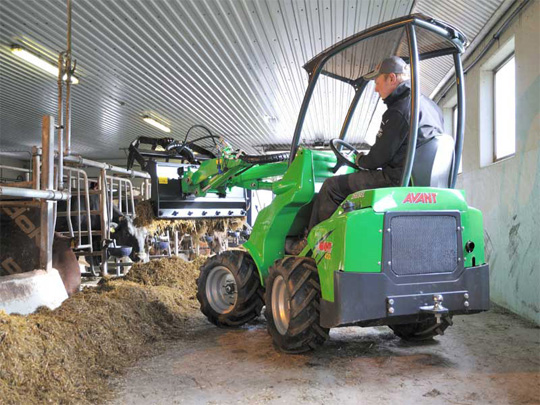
437, 308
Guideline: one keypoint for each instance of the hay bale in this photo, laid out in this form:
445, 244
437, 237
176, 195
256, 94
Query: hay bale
67, 355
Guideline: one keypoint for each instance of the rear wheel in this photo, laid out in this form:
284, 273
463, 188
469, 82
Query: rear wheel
229, 289
293, 295
421, 331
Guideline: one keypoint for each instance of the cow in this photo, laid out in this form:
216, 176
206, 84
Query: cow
19, 248
27, 219
123, 231
65, 261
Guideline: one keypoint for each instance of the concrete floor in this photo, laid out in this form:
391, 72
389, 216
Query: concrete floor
490, 358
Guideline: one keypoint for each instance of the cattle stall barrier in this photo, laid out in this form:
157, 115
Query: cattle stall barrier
111, 187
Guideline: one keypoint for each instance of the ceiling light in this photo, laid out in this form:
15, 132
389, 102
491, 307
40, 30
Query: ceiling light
153, 122
39, 62
269, 119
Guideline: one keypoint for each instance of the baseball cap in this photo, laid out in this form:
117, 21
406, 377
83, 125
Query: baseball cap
393, 64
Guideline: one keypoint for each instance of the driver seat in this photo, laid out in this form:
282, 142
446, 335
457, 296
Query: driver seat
433, 162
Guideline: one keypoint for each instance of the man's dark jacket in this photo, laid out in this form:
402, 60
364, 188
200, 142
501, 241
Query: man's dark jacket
390, 148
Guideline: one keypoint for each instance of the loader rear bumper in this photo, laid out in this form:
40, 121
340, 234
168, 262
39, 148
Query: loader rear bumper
376, 299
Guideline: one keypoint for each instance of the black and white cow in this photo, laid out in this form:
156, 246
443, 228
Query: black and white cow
123, 231
20, 236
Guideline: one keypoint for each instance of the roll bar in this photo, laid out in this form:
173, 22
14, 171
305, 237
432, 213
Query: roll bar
455, 37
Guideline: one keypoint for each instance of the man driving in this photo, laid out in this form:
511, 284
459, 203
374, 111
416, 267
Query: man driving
383, 165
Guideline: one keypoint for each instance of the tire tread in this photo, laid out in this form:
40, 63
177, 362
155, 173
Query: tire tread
250, 294
302, 279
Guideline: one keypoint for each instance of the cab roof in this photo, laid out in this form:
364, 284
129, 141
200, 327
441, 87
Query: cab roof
359, 54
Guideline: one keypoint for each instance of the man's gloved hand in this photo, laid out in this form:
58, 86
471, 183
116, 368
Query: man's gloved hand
357, 158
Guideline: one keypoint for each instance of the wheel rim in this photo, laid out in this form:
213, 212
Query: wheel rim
281, 306
221, 290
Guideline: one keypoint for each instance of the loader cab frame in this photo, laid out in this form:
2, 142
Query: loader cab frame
418, 38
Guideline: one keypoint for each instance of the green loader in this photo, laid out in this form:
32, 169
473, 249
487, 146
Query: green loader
409, 257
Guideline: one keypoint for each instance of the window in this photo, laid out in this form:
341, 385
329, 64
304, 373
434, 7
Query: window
454, 133
497, 105
504, 109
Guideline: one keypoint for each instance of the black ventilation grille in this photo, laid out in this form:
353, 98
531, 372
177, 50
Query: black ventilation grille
423, 244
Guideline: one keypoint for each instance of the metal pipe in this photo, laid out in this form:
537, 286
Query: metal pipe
459, 41
415, 94
100, 165
47, 184
148, 187
120, 197
110, 201
303, 111
460, 87
36, 162
68, 82
104, 220
68, 207
79, 203
130, 185
60, 119
15, 169
53, 195
128, 192
87, 202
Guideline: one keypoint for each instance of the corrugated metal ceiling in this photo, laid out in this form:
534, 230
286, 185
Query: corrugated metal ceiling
234, 66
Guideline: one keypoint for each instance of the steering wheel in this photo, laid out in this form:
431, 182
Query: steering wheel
348, 159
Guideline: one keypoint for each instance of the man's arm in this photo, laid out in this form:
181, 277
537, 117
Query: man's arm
394, 130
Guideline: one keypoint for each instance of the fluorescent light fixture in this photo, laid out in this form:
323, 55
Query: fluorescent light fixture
39, 62
269, 119
156, 124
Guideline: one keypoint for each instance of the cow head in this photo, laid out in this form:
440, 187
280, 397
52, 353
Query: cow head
127, 234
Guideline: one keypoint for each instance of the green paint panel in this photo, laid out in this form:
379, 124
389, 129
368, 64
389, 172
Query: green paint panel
473, 230
294, 191
216, 175
349, 242
352, 241
409, 199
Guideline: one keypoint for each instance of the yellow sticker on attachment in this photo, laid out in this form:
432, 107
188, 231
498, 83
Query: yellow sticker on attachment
163, 180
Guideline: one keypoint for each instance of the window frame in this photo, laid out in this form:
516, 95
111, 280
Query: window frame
495, 70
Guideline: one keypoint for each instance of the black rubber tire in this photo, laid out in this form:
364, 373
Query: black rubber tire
250, 293
421, 331
304, 332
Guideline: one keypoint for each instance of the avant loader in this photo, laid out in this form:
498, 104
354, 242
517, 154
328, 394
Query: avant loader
409, 257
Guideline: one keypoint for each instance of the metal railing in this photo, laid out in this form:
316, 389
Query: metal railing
77, 181
121, 190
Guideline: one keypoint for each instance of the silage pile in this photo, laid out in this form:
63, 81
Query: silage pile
67, 355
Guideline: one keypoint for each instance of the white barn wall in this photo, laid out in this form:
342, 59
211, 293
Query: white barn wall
508, 191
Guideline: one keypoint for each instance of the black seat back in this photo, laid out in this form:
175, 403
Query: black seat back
433, 162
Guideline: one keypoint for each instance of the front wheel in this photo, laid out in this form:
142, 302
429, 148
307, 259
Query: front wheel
229, 289
293, 295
